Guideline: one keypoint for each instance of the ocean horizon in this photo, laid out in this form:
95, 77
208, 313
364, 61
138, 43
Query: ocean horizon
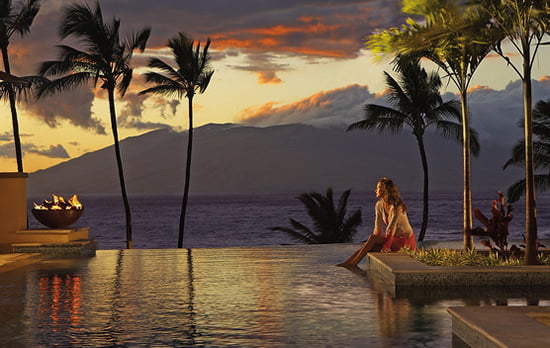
239, 220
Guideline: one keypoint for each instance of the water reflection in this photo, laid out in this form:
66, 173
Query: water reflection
393, 315
59, 301
244, 297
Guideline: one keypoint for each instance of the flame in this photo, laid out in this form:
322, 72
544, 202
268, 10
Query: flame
59, 203
73, 201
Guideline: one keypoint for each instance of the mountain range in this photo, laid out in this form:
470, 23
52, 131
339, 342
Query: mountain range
232, 158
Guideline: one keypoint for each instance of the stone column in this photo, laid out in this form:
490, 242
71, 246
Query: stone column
13, 207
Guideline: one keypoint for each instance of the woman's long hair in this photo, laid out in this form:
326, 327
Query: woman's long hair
391, 193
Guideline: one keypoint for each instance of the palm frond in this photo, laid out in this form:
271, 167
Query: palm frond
165, 90
349, 227
343, 204
139, 40
299, 232
23, 19
63, 83
169, 73
517, 189
124, 83
382, 118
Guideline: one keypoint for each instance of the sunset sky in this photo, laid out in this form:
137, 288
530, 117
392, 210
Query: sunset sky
275, 62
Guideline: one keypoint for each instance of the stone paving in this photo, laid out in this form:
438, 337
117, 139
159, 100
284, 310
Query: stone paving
11, 261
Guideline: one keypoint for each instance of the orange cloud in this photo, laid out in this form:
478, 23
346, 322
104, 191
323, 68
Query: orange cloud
265, 77
280, 38
477, 88
258, 112
382, 93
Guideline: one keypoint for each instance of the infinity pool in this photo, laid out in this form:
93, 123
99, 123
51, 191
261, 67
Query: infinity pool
287, 296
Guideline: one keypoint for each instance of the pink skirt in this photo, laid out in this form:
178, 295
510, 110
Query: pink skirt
399, 243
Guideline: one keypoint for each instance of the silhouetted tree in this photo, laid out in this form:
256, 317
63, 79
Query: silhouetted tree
105, 57
191, 75
14, 21
330, 224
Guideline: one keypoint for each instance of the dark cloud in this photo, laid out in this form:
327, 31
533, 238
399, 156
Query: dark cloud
54, 151
131, 114
7, 150
6, 136
74, 106
133, 107
264, 66
173, 104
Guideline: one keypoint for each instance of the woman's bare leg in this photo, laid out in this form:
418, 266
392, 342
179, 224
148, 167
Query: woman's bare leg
369, 245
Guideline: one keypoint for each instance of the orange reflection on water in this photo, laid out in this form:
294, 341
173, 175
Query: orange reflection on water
60, 300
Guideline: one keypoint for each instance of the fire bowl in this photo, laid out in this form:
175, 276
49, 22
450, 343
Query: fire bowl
57, 218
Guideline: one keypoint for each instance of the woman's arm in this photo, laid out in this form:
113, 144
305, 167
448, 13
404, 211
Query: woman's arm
378, 218
391, 228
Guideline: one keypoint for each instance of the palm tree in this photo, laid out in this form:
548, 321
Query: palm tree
330, 222
418, 105
191, 75
524, 23
15, 21
105, 57
456, 39
541, 153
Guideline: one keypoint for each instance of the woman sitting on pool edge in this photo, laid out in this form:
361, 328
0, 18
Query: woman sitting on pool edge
390, 211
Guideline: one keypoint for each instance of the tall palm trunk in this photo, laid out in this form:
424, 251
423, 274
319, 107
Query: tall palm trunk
530, 201
120, 168
420, 141
467, 194
14, 119
187, 173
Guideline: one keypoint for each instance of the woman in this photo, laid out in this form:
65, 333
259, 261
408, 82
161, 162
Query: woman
392, 212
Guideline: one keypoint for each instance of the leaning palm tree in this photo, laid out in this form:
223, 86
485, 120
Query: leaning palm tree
525, 24
418, 106
330, 222
191, 75
456, 39
104, 57
14, 21
541, 153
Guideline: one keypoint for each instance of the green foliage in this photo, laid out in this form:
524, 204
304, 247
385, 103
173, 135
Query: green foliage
451, 257
330, 222
541, 153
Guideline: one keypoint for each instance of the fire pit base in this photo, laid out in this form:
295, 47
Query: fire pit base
81, 248
52, 235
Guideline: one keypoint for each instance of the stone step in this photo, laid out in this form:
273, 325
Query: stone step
50, 235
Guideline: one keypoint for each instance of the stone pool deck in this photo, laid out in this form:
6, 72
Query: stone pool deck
12, 261
487, 327
497, 327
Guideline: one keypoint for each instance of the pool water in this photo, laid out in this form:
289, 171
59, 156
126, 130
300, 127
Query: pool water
284, 296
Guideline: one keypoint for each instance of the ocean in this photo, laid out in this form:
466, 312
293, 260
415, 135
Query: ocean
232, 220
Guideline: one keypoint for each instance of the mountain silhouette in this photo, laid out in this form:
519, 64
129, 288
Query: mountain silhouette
231, 158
